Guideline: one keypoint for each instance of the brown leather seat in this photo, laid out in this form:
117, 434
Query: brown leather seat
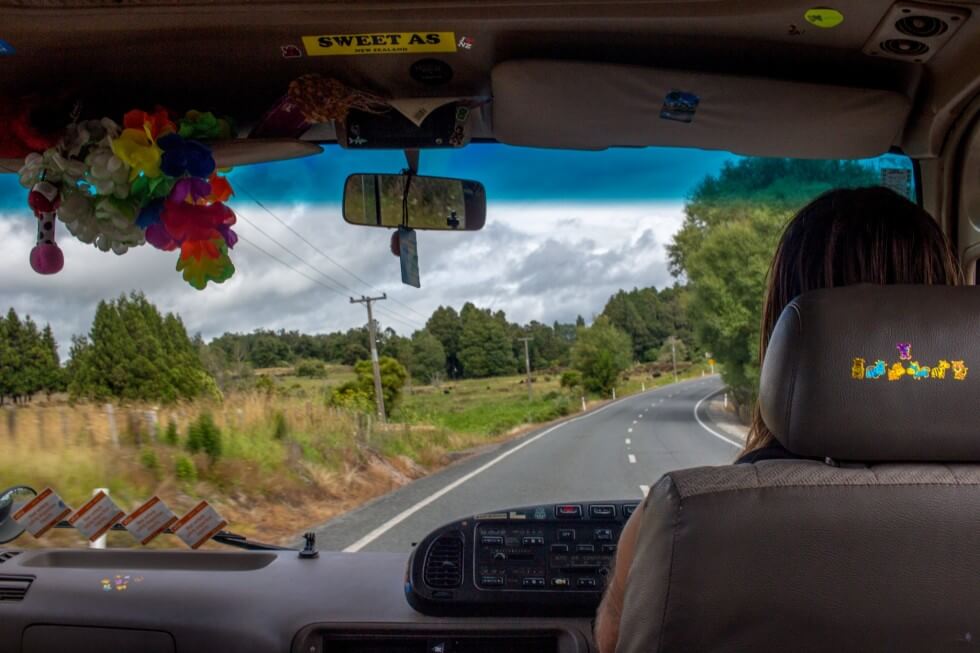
879, 553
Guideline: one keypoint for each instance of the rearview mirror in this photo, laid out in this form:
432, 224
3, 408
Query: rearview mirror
438, 203
11, 500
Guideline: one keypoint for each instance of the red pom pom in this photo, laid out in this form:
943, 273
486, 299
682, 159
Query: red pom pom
47, 259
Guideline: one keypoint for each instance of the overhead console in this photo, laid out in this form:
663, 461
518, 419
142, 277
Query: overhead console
548, 559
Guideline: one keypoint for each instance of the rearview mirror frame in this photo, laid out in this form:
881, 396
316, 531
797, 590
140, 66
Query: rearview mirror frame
474, 197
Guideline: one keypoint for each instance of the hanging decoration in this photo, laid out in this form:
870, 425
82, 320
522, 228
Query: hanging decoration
322, 99
149, 180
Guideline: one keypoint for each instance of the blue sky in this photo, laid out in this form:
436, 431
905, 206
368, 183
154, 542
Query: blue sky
564, 230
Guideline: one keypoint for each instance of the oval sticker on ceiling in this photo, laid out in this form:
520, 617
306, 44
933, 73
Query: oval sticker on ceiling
824, 17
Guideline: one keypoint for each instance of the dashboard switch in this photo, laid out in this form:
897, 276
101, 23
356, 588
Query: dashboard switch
603, 534
559, 548
629, 509
586, 582
492, 540
566, 534
532, 540
584, 548
603, 511
568, 511
533, 581
608, 548
560, 582
491, 581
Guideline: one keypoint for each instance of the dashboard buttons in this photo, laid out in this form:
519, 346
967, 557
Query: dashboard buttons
603, 534
607, 548
559, 548
492, 581
560, 582
586, 582
603, 511
533, 581
566, 534
492, 540
629, 509
568, 511
584, 548
499, 556
532, 540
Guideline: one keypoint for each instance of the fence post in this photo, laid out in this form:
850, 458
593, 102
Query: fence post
151, 423
583, 404
614, 394
100, 542
110, 412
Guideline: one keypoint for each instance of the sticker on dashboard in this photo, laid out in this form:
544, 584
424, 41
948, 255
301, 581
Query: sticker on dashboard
379, 43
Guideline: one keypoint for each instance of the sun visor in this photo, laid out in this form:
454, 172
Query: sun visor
592, 106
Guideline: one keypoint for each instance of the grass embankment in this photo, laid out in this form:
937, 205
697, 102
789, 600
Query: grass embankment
287, 460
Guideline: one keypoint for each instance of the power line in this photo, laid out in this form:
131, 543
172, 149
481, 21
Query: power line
388, 314
322, 253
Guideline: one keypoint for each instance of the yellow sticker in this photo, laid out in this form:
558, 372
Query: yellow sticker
379, 43
824, 17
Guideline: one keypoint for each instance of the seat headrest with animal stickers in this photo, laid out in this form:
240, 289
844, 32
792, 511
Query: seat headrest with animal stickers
877, 373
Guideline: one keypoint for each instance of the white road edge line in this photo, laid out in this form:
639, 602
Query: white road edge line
713, 432
632, 458
645, 489
628, 441
408, 512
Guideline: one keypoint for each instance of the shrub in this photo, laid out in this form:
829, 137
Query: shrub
280, 427
571, 379
170, 436
204, 435
265, 384
185, 470
311, 369
148, 458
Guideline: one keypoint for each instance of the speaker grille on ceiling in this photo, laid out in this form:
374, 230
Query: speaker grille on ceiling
921, 26
914, 32
904, 47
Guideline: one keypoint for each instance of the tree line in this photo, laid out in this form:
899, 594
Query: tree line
29, 362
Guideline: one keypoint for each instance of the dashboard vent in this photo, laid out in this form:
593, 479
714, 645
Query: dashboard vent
904, 47
7, 555
921, 26
915, 32
13, 588
444, 561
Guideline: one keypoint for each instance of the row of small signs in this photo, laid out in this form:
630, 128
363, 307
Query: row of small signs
95, 518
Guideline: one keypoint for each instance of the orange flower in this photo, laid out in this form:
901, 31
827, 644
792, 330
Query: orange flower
220, 189
154, 124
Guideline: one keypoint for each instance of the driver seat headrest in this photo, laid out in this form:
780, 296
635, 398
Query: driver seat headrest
876, 373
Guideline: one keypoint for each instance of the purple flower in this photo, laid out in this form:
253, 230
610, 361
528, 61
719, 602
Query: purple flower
182, 156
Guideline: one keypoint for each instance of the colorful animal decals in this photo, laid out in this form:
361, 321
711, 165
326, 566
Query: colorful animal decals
857, 369
904, 350
959, 370
877, 371
899, 370
896, 372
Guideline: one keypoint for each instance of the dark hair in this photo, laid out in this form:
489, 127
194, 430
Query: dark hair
849, 236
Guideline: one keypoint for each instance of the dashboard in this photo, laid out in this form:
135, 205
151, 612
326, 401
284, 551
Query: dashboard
521, 579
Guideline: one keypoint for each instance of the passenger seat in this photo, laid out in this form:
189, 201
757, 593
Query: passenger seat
875, 546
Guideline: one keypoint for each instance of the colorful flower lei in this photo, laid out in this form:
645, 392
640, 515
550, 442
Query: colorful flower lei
147, 181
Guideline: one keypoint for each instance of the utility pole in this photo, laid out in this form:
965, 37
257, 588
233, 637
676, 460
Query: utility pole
527, 364
378, 396
673, 355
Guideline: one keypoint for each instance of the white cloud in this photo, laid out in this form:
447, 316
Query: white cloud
534, 261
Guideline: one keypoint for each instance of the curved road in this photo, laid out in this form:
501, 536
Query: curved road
614, 452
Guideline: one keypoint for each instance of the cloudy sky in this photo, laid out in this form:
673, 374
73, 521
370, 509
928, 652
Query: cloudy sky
564, 231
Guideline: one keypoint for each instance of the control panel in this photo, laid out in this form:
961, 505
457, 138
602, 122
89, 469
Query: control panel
553, 557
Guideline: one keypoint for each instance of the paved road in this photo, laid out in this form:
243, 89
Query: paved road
615, 452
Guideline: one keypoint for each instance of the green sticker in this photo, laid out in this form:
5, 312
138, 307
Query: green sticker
824, 17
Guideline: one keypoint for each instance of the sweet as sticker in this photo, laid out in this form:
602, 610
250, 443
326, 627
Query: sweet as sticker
149, 520
199, 525
379, 43
41, 513
96, 517
824, 17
